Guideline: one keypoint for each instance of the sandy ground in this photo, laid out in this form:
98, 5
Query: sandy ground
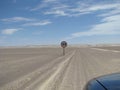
117, 48
47, 69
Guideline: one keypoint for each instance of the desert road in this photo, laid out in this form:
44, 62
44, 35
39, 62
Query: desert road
48, 69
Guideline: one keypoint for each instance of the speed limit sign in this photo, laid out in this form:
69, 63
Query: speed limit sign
63, 45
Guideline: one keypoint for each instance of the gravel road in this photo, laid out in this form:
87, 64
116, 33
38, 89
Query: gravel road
47, 69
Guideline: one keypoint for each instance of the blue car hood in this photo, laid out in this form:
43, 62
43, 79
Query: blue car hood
110, 82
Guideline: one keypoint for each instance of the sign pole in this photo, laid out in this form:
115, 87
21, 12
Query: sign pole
63, 45
63, 51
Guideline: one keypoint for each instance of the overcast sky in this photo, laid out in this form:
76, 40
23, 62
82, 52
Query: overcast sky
35, 22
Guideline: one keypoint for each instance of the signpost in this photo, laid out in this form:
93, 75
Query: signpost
63, 45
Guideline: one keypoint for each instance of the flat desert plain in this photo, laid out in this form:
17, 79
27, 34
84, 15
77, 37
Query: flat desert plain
47, 69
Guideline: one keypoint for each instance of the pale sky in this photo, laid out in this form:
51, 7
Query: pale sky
39, 22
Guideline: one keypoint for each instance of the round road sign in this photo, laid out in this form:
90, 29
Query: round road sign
63, 44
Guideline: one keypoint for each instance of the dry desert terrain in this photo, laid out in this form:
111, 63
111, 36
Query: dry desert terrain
47, 69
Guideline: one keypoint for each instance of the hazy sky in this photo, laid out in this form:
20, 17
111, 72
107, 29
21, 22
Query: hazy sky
34, 22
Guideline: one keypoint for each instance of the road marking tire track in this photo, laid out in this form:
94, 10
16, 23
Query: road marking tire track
19, 83
53, 82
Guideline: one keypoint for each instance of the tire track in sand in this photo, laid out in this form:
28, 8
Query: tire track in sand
41, 74
53, 82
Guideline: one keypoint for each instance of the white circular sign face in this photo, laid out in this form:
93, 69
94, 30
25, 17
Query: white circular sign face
63, 44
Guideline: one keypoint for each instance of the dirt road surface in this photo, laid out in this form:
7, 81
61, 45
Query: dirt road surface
47, 69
